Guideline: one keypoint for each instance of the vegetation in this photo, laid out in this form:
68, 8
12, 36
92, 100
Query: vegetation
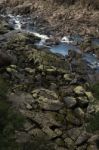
9, 120
84, 3
93, 125
95, 90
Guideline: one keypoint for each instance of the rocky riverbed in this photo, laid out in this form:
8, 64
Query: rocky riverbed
50, 90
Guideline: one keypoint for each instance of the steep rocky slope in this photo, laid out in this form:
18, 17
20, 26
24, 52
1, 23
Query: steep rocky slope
47, 104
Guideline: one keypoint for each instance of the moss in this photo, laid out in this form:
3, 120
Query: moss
93, 125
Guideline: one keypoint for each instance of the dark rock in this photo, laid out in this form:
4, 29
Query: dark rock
6, 60
70, 102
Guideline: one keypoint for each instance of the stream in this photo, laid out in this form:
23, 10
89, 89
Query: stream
25, 24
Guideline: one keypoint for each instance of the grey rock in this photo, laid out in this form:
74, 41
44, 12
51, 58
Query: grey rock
82, 101
70, 102
74, 133
83, 138
79, 113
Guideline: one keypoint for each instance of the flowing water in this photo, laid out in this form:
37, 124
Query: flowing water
66, 43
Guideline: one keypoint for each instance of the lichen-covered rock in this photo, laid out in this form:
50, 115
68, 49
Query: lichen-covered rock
69, 143
90, 96
79, 90
67, 77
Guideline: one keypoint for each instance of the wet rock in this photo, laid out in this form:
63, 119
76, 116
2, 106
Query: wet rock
79, 90
70, 102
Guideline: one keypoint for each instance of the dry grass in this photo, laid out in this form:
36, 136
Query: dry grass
84, 3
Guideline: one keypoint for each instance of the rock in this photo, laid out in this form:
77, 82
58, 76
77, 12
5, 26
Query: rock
28, 126
92, 147
90, 109
74, 133
20, 100
93, 139
90, 96
47, 100
59, 142
41, 67
30, 71
36, 132
29, 107
83, 138
6, 60
67, 77
82, 101
72, 119
11, 70
52, 134
51, 70
69, 143
70, 102
79, 113
60, 148
53, 86
22, 137
82, 147
79, 90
